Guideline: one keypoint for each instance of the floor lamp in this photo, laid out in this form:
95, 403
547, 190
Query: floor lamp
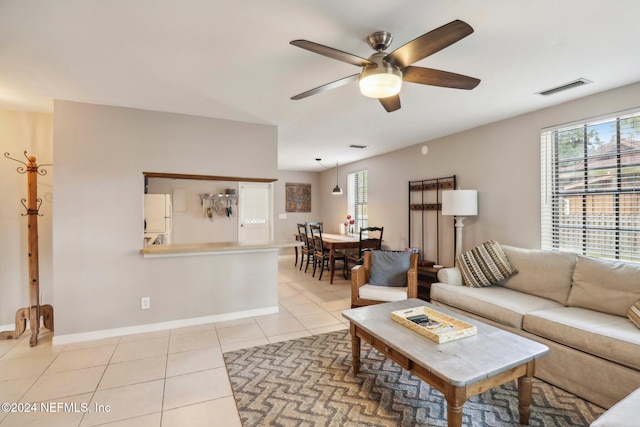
460, 204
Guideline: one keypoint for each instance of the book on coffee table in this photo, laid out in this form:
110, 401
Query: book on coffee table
436, 326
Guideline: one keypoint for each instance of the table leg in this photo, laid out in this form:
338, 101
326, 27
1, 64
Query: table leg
332, 264
355, 350
455, 397
525, 385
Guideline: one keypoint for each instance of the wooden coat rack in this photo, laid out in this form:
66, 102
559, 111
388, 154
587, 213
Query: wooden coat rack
32, 203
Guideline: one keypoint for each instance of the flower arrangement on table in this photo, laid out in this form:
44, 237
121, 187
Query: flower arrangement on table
349, 225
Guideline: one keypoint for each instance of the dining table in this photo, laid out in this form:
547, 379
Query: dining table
335, 242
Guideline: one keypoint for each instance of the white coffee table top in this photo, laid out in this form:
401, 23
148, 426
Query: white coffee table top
460, 362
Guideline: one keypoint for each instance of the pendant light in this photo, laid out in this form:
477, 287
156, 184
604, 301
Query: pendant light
337, 189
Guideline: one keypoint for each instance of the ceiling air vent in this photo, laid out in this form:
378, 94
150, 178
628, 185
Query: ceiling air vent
566, 86
362, 147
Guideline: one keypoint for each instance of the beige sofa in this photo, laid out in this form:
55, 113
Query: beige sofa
575, 305
622, 414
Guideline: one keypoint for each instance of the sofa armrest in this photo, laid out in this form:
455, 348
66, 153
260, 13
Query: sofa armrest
358, 278
621, 413
450, 276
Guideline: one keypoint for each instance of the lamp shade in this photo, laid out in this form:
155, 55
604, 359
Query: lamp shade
460, 202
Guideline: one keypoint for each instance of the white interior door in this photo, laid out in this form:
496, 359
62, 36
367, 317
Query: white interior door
254, 212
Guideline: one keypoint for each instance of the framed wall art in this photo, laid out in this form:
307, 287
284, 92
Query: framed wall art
298, 197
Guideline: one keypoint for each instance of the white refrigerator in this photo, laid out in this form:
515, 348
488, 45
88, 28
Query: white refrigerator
157, 219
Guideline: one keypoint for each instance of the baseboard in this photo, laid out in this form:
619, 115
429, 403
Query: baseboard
152, 327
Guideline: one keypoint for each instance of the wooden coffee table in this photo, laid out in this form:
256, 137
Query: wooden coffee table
458, 369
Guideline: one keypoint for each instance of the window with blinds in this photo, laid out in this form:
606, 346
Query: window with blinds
591, 187
357, 197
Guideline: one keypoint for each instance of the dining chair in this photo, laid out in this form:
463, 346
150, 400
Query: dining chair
384, 276
307, 246
370, 239
321, 255
320, 223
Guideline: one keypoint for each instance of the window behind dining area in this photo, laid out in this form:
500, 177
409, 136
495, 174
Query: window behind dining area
357, 197
591, 187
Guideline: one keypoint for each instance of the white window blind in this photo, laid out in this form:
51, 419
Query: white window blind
590, 175
357, 197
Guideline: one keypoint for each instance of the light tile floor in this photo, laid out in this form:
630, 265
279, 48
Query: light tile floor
168, 378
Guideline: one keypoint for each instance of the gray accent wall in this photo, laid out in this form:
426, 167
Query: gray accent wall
501, 160
100, 153
90, 235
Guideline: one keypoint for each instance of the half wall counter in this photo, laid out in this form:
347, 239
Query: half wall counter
213, 282
190, 249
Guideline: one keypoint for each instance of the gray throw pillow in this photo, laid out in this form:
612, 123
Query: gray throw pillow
389, 268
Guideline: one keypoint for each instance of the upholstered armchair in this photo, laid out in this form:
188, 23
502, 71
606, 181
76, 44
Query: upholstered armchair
384, 276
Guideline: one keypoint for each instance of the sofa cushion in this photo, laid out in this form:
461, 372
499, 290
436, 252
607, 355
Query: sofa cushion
634, 314
484, 265
382, 293
496, 303
546, 274
389, 268
607, 286
450, 275
604, 335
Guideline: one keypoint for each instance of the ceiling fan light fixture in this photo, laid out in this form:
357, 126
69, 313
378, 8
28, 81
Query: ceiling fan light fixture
382, 73
380, 81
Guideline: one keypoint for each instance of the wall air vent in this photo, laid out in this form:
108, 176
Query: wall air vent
362, 147
566, 86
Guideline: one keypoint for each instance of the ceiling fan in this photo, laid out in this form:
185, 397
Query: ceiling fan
382, 74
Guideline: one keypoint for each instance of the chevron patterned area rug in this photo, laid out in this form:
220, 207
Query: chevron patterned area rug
309, 382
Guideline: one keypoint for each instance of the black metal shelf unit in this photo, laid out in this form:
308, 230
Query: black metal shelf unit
425, 198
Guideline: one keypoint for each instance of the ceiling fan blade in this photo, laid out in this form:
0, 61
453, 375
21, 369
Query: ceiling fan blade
332, 53
428, 76
429, 43
391, 103
328, 86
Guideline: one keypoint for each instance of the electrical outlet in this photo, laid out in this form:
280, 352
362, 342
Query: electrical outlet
145, 303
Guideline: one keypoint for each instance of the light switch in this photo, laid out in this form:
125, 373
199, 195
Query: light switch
282, 216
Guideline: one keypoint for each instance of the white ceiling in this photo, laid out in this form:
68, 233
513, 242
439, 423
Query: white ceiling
233, 60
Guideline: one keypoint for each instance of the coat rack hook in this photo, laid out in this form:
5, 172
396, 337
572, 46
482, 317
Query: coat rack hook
21, 169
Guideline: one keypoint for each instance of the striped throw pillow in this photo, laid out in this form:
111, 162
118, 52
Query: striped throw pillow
634, 314
484, 265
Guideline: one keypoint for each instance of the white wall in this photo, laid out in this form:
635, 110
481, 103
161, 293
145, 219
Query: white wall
101, 152
19, 132
284, 229
500, 160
